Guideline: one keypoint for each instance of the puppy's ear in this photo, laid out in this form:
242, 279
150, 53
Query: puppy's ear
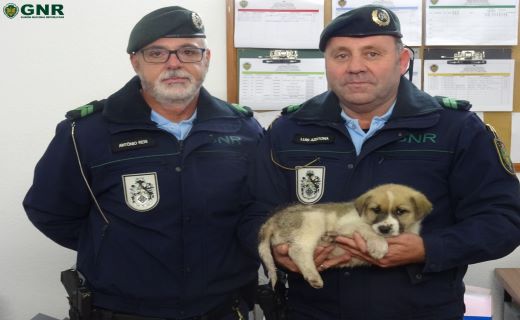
361, 202
422, 205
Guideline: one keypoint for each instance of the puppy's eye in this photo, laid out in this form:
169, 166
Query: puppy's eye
376, 210
400, 211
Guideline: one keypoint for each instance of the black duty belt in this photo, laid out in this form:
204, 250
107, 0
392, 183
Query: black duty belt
225, 309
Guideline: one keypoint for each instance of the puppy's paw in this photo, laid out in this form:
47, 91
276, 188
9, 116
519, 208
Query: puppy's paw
328, 237
315, 282
377, 247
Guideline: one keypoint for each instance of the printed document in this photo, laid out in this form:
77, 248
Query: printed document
489, 87
287, 24
273, 86
476, 22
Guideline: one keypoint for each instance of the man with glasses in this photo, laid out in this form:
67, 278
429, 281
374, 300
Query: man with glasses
149, 186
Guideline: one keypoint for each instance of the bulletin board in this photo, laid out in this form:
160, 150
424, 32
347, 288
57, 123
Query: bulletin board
500, 120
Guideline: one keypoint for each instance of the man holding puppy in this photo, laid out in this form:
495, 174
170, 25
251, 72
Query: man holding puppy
373, 127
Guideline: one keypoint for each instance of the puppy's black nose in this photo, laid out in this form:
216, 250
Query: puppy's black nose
385, 229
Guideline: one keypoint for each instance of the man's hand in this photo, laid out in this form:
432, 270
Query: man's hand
281, 257
321, 258
403, 249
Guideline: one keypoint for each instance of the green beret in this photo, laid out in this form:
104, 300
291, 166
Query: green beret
369, 20
168, 22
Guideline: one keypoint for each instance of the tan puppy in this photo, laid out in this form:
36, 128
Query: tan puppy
384, 211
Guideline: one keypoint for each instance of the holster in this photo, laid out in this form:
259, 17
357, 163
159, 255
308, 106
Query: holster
273, 302
79, 296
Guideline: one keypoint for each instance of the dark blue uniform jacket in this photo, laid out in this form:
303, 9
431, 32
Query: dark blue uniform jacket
447, 154
177, 259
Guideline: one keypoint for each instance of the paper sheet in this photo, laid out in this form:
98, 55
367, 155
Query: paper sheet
409, 13
266, 117
287, 24
417, 73
515, 137
272, 86
476, 22
489, 87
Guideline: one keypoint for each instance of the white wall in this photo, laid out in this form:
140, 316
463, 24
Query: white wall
49, 66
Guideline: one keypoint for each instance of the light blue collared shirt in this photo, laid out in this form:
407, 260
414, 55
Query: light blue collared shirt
179, 129
357, 134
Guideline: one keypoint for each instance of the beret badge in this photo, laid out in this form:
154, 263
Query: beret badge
197, 21
381, 17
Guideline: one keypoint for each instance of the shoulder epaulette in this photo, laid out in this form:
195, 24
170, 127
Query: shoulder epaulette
85, 111
451, 103
242, 109
292, 108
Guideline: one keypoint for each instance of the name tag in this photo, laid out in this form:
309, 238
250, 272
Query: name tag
132, 143
303, 139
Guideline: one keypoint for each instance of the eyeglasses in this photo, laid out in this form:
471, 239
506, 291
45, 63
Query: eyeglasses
161, 55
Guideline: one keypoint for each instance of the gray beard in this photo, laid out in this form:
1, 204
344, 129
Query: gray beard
174, 93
